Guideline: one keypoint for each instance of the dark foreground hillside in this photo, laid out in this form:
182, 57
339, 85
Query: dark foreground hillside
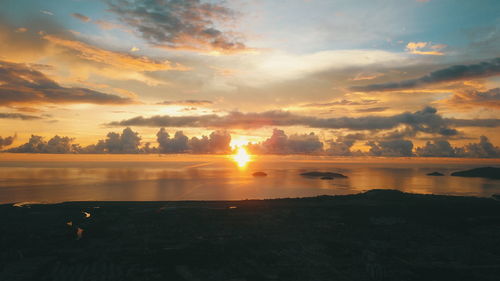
378, 235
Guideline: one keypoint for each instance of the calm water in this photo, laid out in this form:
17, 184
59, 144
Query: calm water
56, 178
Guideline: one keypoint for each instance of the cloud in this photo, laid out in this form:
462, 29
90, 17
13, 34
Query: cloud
45, 12
423, 121
107, 25
81, 17
20, 83
483, 149
187, 102
392, 148
185, 25
341, 102
342, 145
217, 143
452, 73
425, 48
441, 148
18, 115
474, 98
36, 144
366, 76
373, 109
115, 59
280, 143
437, 148
486, 123
126, 142
177, 144
6, 141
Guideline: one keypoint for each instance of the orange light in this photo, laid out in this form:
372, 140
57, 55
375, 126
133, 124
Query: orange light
241, 157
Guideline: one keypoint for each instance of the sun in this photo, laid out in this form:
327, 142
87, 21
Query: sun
241, 157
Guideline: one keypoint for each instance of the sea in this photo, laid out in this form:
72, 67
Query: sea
52, 178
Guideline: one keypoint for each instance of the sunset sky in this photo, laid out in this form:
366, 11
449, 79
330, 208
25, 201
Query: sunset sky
347, 71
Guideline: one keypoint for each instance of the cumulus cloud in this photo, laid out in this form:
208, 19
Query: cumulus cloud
126, 142
6, 141
187, 102
422, 121
186, 25
18, 116
343, 144
217, 143
483, 149
20, 83
36, 144
81, 17
442, 148
177, 144
437, 148
392, 148
280, 143
452, 73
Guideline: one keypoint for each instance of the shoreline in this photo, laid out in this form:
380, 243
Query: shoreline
201, 202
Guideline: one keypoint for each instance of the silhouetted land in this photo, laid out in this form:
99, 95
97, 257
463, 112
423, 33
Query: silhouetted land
378, 235
435, 174
485, 172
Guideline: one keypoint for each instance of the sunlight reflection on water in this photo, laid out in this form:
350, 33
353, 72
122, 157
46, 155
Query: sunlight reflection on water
58, 178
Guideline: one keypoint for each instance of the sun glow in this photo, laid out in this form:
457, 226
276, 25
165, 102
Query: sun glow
241, 157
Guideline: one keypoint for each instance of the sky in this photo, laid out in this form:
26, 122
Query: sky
339, 76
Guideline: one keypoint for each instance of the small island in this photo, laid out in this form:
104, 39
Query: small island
323, 175
435, 174
259, 174
484, 172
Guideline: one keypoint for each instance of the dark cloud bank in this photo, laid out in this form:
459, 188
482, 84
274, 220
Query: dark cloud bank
22, 84
279, 143
452, 73
426, 120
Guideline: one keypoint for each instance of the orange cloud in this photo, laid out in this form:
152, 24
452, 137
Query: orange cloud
425, 48
116, 59
472, 99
